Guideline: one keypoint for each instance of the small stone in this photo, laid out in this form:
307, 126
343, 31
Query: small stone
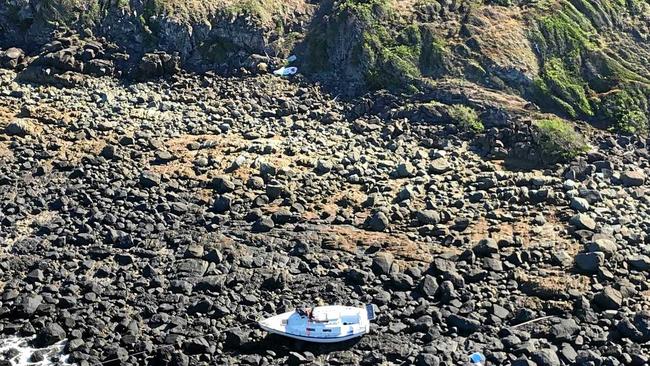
222, 204
323, 166
404, 170
30, 303
564, 330
377, 222
579, 204
427, 359
382, 263
500, 311
463, 324
427, 217
429, 286
640, 262
263, 225
223, 184
164, 156
609, 299
439, 166
545, 357
35, 276
19, 128
582, 221
486, 247
149, 179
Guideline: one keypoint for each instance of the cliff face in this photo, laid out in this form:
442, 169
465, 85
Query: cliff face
580, 59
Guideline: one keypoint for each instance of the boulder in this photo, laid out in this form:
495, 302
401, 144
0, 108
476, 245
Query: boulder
590, 262
633, 178
377, 222
609, 299
49, 335
582, 221
382, 263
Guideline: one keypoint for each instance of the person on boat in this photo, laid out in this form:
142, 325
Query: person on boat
306, 311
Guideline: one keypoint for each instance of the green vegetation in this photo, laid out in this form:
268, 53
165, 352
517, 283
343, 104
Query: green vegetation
627, 111
566, 33
563, 88
558, 141
259, 10
576, 68
465, 118
366, 40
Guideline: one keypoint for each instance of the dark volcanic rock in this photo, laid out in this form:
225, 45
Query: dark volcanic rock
49, 335
377, 222
463, 324
30, 303
609, 298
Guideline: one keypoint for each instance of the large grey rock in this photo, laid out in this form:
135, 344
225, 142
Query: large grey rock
49, 335
427, 217
149, 179
382, 263
427, 359
545, 357
579, 204
30, 303
377, 222
606, 246
263, 225
439, 166
583, 221
486, 247
463, 324
633, 178
429, 286
404, 170
564, 330
192, 267
20, 128
609, 298
636, 328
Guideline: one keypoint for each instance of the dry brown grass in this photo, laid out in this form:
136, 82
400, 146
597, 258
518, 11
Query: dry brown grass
224, 150
503, 39
265, 11
350, 239
553, 283
25, 227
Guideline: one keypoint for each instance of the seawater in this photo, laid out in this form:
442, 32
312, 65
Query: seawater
53, 355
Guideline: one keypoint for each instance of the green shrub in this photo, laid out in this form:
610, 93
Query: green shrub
626, 111
556, 140
465, 118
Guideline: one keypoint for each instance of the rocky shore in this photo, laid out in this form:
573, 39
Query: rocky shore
154, 222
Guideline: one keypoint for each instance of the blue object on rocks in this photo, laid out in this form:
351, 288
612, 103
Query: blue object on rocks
477, 358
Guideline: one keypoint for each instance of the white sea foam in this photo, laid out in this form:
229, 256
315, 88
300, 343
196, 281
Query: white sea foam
53, 355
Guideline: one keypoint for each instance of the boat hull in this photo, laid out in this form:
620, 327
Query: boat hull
313, 339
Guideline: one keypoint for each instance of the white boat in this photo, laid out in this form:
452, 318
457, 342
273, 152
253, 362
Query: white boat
322, 324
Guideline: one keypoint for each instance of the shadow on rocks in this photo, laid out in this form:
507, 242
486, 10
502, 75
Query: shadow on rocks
283, 346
